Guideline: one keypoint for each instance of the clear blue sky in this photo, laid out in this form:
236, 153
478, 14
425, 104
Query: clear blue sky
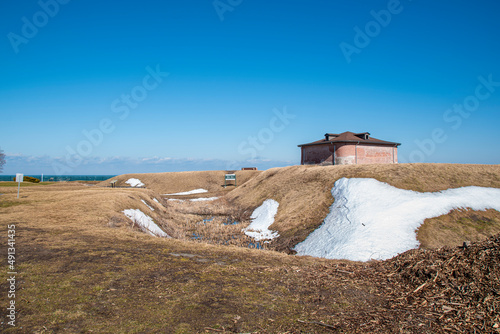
67, 67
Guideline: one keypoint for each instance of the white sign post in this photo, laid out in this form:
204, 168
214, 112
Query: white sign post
229, 177
19, 179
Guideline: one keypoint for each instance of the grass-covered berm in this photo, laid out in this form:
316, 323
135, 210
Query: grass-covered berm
81, 266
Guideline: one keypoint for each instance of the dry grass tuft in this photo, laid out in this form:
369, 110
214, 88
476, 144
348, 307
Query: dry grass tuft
458, 226
216, 222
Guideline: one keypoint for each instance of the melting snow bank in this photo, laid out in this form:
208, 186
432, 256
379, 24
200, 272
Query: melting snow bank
135, 183
145, 222
262, 218
143, 201
373, 220
202, 199
191, 192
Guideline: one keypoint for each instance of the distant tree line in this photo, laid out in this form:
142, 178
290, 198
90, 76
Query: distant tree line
2, 160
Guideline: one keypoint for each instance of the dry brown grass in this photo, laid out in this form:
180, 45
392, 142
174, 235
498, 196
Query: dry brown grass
216, 222
83, 266
75, 206
168, 183
453, 229
304, 194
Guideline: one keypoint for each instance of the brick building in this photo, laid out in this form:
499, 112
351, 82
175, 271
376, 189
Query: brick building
349, 148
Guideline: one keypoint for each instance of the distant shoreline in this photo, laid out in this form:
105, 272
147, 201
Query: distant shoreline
59, 178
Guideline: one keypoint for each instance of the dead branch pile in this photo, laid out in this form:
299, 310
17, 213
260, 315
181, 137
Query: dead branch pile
458, 287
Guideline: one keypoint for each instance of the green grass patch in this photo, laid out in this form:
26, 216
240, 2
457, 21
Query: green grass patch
23, 184
7, 204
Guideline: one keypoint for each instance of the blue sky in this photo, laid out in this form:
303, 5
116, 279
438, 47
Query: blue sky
186, 85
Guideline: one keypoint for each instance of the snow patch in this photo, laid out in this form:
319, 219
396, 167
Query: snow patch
191, 192
143, 201
154, 199
373, 220
135, 182
262, 218
202, 199
145, 222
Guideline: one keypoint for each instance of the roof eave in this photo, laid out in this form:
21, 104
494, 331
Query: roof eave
351, 141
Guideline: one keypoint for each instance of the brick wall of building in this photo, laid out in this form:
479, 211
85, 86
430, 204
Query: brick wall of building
369, 154
317, 154
347, 154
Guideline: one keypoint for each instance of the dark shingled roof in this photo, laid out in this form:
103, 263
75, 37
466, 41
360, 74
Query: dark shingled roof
351, 137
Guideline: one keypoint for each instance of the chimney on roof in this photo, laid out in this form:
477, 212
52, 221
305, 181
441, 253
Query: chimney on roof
329, 136
364, 135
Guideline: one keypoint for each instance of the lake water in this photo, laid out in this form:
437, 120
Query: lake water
57, 178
